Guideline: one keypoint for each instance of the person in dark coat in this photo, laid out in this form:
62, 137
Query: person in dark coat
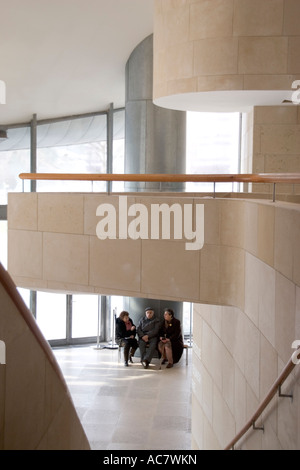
125, 336
170, 343
147, 331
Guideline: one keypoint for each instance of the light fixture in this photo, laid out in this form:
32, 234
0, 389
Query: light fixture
3, 134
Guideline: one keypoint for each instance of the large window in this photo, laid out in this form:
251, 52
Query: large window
75, 145
51, 315
25, 294
118, 163
66, 318
187, 320
85, 310
213, 143
72, 146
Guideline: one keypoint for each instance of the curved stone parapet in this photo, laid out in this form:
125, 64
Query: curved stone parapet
225, 55
54, 243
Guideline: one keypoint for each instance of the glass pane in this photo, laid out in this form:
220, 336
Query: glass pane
84, 158
116, 307
119, 149
118, 163
3, 243
116, 303
51, 315
25, 294
212, 147
72, 146
13, 162
187, 320
84, 315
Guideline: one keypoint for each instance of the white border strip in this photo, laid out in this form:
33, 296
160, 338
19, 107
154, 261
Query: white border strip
2, 92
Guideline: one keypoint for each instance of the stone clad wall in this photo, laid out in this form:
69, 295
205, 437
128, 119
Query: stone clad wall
216, 46
52, 244
239, 351
276, 144
244, 282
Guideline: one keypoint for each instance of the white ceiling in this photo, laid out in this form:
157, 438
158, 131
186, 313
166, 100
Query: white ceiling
63, 57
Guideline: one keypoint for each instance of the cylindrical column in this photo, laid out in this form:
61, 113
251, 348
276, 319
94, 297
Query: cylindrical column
33, 150
155, 138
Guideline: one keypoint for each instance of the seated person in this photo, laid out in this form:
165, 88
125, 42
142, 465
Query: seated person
125, 336
171, 344
147, 331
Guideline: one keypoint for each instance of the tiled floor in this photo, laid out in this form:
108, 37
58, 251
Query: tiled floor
128, 408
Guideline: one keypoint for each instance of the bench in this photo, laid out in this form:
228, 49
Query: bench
185, 348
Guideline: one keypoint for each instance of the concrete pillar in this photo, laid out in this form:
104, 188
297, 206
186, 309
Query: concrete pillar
155, 142
155, 137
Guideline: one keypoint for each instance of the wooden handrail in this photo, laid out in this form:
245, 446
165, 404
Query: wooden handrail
292, 178
273, 390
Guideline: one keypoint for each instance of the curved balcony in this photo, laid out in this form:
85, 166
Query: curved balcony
244, 283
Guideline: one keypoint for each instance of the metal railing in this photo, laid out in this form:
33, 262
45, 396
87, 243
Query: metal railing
276, 388
273, 178
293, 178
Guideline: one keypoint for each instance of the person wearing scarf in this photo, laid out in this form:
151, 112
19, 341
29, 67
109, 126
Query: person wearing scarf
125, 336
170, 343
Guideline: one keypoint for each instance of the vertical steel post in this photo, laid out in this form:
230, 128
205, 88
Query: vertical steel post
240, 149
33, 166
99, 321
33, 302
274, 192
33, 143
69, 312
110, 138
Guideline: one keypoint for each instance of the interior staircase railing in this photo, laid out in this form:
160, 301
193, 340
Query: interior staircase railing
276, 388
